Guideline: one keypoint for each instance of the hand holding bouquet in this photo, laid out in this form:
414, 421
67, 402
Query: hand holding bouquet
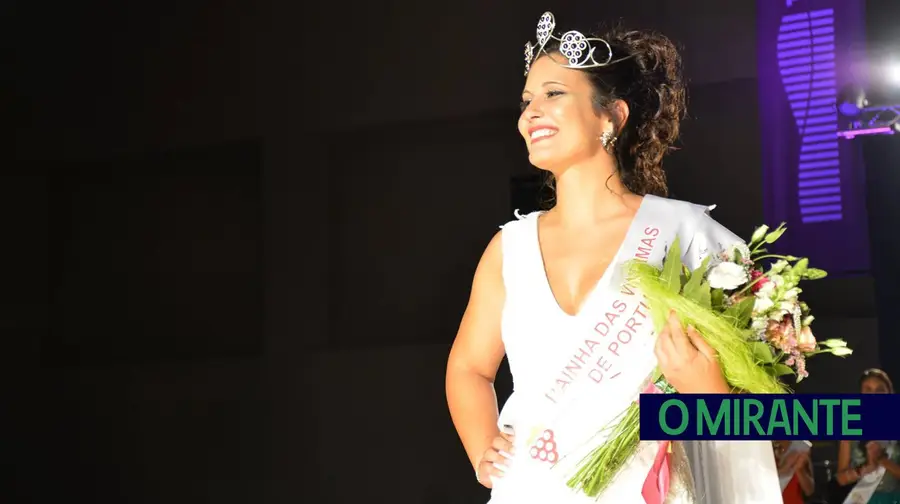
746, 304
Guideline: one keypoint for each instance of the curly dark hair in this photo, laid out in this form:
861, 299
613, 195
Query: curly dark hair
647, 76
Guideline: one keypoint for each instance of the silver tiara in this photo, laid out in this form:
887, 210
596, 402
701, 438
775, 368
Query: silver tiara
581, 51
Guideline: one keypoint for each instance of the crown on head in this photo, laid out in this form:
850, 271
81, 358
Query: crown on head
580, 51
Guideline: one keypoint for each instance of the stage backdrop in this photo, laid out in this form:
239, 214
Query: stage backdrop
812, 180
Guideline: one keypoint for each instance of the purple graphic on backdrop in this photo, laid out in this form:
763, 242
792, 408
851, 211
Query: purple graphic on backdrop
812, 180
806, 63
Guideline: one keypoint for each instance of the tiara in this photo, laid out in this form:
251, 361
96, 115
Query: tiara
578, 49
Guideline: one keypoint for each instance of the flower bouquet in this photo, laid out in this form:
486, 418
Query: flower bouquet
745, 302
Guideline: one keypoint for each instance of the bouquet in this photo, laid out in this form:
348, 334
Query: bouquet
745, 302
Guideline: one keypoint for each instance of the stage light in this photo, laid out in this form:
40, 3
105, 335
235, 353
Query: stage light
892, 73
862, 118
871, 105
852, 100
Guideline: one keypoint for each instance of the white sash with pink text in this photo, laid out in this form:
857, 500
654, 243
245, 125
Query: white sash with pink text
596, 372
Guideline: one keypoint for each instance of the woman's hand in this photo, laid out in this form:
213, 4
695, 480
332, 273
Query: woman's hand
866, 469
788, 463
801, 462
687, 361
495, 460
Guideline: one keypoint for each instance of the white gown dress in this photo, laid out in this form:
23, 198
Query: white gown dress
575, 374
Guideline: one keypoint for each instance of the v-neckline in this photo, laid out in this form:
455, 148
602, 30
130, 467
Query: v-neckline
548, 288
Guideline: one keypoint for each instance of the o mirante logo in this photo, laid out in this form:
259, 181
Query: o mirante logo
768, 416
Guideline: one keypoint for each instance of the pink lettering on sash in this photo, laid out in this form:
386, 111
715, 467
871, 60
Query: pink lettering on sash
606, 353
615, 330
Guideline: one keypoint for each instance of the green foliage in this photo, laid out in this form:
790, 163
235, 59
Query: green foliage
762, 352
718, 300
776, 234
739, 313
671, 272
799, 268
697, 288
780, 369
814, 274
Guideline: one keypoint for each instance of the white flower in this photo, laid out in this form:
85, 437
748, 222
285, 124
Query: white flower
728, 276
787, 306
779, 266
834, 343
762, 304
759, 234
790, 294
766, 290
759, 323
841, 351
778, 280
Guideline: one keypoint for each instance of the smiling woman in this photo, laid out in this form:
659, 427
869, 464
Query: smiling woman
633, 106
598, 115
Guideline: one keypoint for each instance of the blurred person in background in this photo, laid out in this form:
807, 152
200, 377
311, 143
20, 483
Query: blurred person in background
794, 470
856, 459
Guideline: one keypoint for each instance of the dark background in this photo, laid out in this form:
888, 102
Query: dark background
239, 237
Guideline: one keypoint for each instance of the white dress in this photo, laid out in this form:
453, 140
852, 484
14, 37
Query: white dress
548, 357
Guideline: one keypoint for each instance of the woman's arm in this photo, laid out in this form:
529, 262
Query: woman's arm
846, 474
475, 356
805, 477
890, 466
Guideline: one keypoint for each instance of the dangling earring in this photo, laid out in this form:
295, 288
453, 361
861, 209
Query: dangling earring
608, 140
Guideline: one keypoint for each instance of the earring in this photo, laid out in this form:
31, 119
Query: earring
608, 140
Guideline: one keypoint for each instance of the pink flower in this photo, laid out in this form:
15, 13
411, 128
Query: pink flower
754, 275
780, 334
806, 342
801, 368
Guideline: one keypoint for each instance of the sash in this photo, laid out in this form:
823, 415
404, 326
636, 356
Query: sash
865, 487
601, 364
804, 446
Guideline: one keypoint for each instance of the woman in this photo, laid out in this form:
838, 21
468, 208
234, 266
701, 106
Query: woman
875, 460
795, 471
597, 115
